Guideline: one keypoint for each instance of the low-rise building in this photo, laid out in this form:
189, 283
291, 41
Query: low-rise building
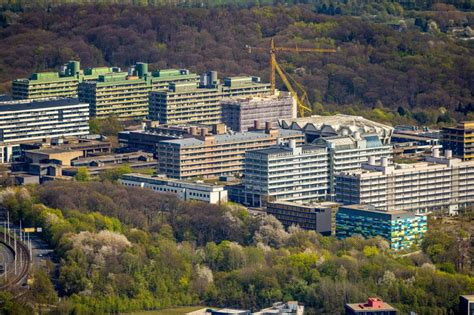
52, 155
315, 127
288, 308
88, 145
402, 229
460, 140
240, 114
319, 217
24, 121
285, 173
184, 190
216, 155
439, 183
374, 306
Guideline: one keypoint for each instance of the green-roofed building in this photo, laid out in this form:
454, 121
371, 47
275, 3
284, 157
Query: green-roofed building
116, 94
55, 84
126, 94
200, 103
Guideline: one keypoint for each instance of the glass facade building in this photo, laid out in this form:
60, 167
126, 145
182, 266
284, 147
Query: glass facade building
401, 229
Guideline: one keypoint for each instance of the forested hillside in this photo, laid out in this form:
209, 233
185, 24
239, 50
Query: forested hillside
385, 69
122, 249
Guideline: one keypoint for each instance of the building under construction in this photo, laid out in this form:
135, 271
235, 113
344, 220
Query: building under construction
240, 114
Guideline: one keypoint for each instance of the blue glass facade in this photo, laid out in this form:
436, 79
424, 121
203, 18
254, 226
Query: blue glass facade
401, 229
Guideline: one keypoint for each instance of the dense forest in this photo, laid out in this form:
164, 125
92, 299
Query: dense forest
122, 249
393, 63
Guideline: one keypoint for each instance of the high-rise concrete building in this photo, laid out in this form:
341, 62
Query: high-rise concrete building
215, 155
460, 140
285, 173
186, 103
348, 153
439, 183
402, 229
24, 121
314, 216
199, 103
240, 114
116, 94
56, 84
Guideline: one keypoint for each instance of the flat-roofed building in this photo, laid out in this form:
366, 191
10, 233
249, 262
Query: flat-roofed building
39, 119
460, 140
215, 155
184, 190
402, 229
374, 306
52, 155
186, 103
199, 103
244, 86
161, 79
439, 183
240, 114
117, 94
24, 121
285, 173
314, 216
55, 84
348, 153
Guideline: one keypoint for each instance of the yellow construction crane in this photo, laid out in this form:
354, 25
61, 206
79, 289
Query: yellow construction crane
302, 102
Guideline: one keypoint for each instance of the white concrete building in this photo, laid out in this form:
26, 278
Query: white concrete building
285, 172
184, 190
348, 153
28, 120
438, 183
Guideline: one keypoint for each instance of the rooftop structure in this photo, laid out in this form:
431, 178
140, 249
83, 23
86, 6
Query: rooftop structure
184, 190
56, 84
439, 183
215, 155
199, 103
460, 140
347, 153
337, 125
88, 145
288, 308
402, 229
285, 172
240, 114
116, 94
374, 306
